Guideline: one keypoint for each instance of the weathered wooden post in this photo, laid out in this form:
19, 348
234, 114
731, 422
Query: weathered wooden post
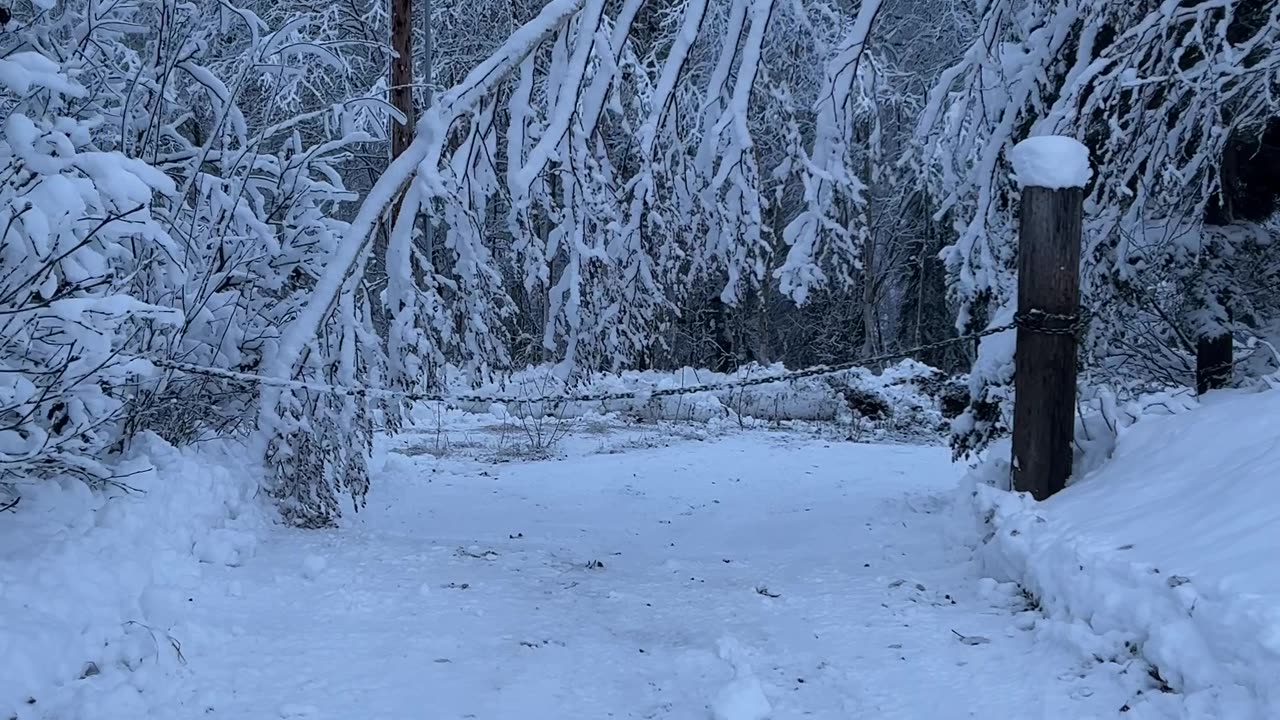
1052, 172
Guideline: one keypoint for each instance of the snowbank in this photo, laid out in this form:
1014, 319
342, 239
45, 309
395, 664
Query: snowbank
92, 583
906, 395
1169, 547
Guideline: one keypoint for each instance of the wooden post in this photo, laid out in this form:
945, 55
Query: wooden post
1045, 359
1213, 362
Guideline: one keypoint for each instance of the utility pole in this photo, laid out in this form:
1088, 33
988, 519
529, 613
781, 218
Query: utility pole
428, 78
401, 95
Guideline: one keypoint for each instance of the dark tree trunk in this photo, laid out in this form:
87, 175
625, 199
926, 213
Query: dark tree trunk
724, 360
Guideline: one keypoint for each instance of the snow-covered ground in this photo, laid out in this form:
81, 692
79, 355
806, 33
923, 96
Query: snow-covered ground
752, 575
94, 586
630, 570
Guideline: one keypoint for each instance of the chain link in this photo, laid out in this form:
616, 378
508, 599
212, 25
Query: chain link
1047, 323
1033, 321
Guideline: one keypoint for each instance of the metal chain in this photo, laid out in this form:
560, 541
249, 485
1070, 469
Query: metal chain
1031, 320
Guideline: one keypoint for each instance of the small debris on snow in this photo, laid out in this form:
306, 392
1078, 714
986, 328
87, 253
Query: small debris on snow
595, 565
765, 591
972, 639
313, 567
541, 643
225, 547
475, 552
298, 711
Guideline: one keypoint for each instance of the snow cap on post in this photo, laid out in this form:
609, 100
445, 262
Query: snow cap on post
1051, 161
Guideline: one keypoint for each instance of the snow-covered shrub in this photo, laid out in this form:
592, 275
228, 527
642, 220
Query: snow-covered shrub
1102, 416
265, 225
863, 402
173, 201
79, 241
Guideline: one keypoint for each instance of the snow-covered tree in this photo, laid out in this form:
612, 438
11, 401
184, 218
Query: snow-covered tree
1157, 90
173, 197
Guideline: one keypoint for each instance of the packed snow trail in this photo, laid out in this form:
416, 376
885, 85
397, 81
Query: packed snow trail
762, 575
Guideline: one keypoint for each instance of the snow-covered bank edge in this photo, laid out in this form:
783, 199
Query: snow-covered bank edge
1208, 646
1217, 650
92, 582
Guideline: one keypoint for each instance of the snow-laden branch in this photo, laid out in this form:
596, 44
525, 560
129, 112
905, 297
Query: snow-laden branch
833, 192
426, 147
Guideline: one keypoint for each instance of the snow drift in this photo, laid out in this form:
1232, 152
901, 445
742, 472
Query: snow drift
906, 396
1166, 548
93, 584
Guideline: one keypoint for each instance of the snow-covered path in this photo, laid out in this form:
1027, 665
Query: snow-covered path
821, 578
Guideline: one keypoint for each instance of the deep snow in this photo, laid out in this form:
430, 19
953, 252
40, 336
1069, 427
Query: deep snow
758, 575
94, 584
1169, 545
